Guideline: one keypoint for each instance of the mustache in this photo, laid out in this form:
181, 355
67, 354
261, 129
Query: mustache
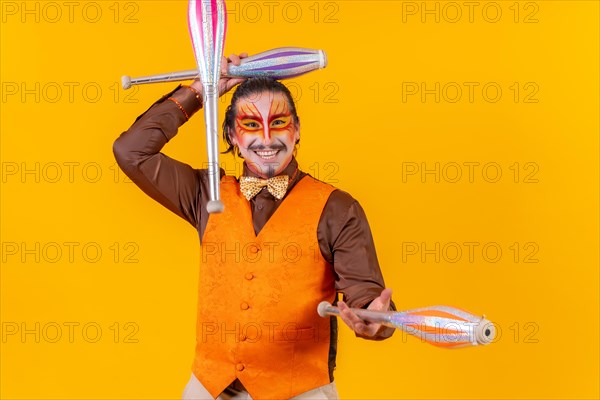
275, 146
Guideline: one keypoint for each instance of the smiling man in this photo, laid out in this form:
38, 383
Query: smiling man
265, 132
285, 242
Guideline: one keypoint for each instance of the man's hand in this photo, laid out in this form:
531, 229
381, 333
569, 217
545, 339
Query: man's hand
365, 328
225, 83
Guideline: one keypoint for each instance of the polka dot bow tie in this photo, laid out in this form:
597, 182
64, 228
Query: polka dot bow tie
251, 186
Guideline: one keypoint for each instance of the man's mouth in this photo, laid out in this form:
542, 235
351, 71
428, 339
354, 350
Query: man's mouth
267, 154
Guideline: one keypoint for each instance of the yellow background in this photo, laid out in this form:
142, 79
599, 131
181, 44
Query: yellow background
361, 130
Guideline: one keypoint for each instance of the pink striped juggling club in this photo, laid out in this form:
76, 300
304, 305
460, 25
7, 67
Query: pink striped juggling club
442, 326
207, 21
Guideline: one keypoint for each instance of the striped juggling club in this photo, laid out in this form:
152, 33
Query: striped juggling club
442, 326
207, 21
280, 63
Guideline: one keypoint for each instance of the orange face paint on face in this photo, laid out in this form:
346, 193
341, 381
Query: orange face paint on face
265, 133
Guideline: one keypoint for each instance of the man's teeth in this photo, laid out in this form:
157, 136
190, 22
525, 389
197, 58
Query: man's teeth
267, 154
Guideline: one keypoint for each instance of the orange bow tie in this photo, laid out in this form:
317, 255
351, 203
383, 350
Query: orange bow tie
251, 186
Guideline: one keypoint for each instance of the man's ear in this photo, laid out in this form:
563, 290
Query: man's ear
232, 138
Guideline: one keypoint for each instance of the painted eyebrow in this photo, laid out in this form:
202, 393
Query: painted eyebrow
249, 116
272, 117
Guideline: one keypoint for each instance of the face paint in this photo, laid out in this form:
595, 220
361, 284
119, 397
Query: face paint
265, 133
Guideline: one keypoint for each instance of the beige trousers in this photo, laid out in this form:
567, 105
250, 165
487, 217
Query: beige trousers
195, 391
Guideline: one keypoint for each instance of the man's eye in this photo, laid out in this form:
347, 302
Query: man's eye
279, 122
251, 125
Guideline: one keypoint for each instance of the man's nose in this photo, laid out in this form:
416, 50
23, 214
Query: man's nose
267, 136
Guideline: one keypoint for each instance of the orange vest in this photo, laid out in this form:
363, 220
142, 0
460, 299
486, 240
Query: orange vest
258, 296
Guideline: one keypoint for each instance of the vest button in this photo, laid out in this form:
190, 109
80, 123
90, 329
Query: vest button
254, 249
244, 306
239, 366
249, 276
243, 338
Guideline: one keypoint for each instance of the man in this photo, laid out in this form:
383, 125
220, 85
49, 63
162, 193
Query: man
285, 242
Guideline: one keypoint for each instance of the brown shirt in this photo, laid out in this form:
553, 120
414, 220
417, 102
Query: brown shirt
343, 233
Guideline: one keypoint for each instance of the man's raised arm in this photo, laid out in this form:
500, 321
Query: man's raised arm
173, 184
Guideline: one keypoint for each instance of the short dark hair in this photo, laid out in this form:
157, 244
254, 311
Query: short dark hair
249, 88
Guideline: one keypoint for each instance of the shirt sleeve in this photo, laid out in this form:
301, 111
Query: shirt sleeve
173, 184
346, 242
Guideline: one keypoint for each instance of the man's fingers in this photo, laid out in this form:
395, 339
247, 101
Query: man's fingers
361, 329
386, 296
382, 303
223, 65
355, 323
234, 59
348, 316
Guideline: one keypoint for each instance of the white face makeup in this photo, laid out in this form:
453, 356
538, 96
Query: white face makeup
265, 133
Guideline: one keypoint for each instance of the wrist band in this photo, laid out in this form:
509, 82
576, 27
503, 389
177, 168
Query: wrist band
196, 93
187, 117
